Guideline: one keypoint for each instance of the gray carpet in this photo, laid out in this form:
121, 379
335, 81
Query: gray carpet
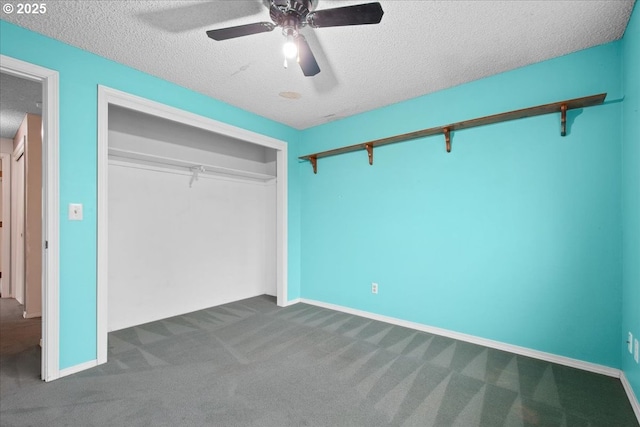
250, 363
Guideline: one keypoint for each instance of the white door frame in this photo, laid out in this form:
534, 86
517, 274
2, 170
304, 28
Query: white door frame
18, 196
50, 206
108, 96
7, 160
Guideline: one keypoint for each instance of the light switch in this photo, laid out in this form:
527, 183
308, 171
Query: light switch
75, 211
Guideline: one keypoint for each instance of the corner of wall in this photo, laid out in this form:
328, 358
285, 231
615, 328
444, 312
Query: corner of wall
630, 200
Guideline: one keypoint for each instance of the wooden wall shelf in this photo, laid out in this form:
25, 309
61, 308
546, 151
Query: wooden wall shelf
556, 107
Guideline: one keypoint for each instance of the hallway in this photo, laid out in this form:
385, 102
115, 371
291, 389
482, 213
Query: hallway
20, 350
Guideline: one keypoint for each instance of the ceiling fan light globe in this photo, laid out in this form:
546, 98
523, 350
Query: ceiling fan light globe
290, 49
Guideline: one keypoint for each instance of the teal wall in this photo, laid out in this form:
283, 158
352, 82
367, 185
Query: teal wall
631, 195
80, 75
514, 236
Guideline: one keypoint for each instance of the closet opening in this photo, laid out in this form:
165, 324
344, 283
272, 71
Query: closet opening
191, 213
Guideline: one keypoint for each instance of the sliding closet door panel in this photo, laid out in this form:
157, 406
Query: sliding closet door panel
174, 249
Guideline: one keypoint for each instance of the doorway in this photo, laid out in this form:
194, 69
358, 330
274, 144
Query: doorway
21, 304
46, 249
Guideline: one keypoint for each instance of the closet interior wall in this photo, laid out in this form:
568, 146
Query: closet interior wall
184, 237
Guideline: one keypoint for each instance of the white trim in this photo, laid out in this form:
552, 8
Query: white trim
293, 302
133, 102
549, 357
13, 218
102, 326
78, 368
282, 228
31, 316
51, 196
5, 262
108, 96
630, 394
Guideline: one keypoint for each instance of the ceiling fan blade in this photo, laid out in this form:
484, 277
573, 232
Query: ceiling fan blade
368, 13
306, 59
190, 16
240, 30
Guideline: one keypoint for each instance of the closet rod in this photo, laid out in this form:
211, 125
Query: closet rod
186, 164
555, 107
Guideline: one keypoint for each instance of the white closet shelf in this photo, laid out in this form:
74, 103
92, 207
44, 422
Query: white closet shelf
187, 164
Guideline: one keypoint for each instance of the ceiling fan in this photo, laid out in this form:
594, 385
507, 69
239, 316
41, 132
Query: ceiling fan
292, 15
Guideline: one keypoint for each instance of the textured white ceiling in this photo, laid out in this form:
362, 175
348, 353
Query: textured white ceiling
418, 48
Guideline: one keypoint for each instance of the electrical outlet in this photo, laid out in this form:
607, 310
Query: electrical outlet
635, 352
630, 343
374, 288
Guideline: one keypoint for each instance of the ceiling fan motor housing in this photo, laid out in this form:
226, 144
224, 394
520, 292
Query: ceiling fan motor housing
286, 12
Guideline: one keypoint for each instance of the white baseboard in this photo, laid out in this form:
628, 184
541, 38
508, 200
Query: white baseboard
631, 395
31, 315
523, 351
78, 368
291, 302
